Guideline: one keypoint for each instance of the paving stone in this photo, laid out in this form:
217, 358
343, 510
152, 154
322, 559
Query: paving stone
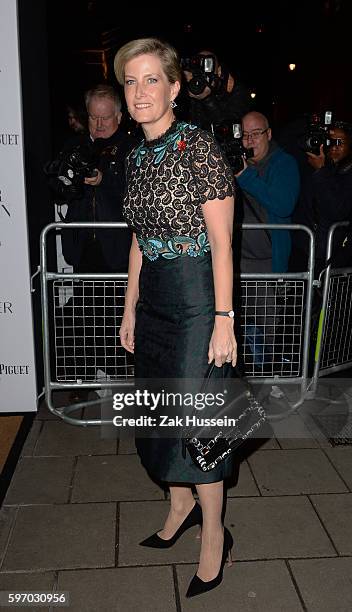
148, 589
341, 457
262, 586
113, 478
269, 444
127, 446
40, 480
293, 433
295, 472
138, 520
336, 511
7, 520
276, 527
27, 582
246, 484
31, 440
322, 441
62, 439
325, 584
62, 536
292, 443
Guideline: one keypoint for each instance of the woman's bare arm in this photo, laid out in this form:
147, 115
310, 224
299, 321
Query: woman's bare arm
131, 298
218, 215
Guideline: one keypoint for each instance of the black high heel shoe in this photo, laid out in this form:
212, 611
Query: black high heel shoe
197, 585
195, 517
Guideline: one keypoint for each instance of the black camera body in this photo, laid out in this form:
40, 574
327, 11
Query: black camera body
229, 137
203, 69
73, 166
317, 133
78, 164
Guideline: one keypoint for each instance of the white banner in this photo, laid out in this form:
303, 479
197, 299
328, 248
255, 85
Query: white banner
17, 365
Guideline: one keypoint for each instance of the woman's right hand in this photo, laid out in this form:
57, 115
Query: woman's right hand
127, 331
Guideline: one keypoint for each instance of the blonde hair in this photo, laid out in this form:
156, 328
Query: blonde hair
152, 46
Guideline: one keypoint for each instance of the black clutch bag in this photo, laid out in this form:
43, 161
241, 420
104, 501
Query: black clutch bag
247, 418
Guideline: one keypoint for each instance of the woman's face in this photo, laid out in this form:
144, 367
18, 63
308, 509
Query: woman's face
148, 93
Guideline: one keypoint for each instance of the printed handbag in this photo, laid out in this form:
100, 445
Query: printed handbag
249, 416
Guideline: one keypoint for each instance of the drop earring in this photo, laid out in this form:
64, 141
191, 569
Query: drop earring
173, 104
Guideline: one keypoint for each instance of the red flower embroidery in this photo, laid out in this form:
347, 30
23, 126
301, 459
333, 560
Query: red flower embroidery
181, 145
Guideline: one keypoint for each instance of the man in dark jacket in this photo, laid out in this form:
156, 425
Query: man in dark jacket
326, 197
89, 325
100, 197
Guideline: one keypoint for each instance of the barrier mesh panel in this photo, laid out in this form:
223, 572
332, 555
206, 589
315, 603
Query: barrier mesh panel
337, 343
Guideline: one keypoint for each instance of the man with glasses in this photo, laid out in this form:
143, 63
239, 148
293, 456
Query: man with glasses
269, 185
269, 188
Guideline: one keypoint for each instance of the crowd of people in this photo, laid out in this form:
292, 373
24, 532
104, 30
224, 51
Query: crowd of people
181, 199
272, 187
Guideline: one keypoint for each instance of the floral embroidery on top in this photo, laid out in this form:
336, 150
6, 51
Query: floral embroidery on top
175, 138
177, 246
168, 181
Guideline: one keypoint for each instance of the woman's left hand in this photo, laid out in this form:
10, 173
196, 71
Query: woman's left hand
223, 345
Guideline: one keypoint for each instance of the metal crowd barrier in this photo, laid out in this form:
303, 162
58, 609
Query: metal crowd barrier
277, 307
81, 318
82, 314
334, 339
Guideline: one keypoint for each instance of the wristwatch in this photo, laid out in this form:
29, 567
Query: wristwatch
225, 313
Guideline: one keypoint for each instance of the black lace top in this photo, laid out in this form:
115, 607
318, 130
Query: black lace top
168, 180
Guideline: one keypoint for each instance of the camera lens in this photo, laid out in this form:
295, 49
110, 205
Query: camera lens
197, 85
314, 142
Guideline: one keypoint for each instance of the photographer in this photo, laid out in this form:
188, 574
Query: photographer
269, 187
269, 183
89, 177
215, 96
326, 198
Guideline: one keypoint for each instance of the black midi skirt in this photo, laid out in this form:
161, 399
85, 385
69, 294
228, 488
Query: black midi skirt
174, 323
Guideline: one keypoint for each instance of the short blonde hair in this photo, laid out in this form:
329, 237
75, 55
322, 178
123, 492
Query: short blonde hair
152, 46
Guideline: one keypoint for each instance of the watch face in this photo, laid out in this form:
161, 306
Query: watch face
231, 314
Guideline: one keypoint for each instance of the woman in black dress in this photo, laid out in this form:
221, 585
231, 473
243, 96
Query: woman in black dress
179, 202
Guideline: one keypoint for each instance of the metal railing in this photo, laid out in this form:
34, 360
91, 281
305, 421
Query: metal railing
333, 351
82, 315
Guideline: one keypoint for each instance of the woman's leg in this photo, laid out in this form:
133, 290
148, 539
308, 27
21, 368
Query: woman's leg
211, 497
182, 502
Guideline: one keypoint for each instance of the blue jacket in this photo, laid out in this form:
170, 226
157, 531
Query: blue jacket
276, 188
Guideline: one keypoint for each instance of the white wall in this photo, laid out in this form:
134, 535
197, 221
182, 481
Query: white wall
17, 365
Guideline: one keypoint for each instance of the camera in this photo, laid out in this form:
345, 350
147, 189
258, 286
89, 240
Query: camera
202, 68
229, 137
317, 133
73, 166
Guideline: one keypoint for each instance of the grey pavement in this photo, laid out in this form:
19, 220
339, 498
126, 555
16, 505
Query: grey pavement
78, 505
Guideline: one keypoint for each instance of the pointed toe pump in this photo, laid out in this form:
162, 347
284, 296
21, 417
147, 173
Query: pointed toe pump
193, 518
197, 585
